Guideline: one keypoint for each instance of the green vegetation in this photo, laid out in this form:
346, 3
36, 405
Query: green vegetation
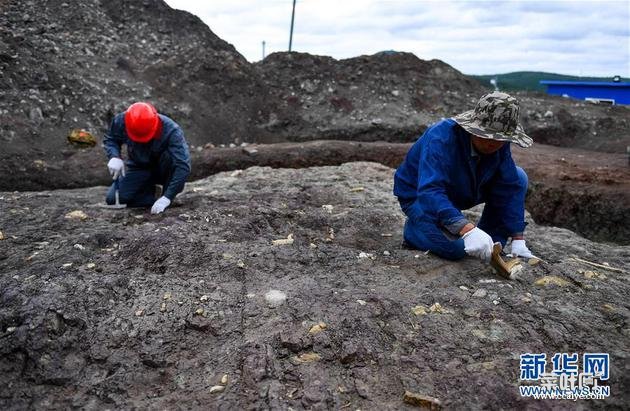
529, 80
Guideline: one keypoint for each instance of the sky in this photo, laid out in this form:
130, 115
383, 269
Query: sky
584, 38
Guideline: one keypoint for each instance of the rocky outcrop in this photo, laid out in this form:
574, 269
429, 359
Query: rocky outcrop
120, 309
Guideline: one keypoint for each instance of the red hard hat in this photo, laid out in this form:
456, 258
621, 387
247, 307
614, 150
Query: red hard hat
141, 122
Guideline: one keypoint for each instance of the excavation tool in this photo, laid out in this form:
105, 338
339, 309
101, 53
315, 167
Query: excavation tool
505, 268
117, 204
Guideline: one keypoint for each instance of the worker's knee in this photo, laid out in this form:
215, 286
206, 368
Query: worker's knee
126, 195
125, 198
426, 236
454, 252
522, 178
110, 198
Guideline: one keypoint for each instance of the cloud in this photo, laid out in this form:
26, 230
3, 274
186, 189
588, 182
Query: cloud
476, 37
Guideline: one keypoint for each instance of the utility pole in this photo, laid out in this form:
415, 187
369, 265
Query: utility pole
263, 44
291, 33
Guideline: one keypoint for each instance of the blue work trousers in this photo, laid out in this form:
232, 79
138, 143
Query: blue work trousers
425, 235
137, 187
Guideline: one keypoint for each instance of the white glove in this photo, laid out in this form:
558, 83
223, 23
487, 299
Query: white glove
160, 204
116, 167
478, 243
519, 249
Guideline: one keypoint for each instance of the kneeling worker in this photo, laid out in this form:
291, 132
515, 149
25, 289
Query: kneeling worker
461, 162
158, 154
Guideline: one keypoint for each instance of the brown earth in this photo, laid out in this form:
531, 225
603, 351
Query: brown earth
389, 96
127, 310
575, 124
585, 191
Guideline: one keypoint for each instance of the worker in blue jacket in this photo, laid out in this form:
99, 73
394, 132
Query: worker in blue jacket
158, 155
456, 164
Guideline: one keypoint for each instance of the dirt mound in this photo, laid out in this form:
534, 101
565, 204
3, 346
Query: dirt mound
121, 309
394, 96
389, 96
575, 124
68, 64
74, 64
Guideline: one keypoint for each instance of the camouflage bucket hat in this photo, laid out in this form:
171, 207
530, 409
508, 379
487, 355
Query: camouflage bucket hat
496, 118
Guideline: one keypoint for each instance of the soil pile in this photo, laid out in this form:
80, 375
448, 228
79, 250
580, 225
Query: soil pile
388, 96
394, 96
572, 123
203, 307
74, 64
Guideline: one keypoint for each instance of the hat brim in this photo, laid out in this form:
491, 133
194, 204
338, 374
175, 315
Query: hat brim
519, 137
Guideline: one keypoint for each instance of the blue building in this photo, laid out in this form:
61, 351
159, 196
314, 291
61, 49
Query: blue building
616, 92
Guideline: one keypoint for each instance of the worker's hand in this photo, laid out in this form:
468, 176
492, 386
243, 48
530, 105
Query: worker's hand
116, 167
519, 249
478, 243
160, 204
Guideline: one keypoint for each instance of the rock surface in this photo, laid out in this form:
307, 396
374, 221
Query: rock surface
71, 337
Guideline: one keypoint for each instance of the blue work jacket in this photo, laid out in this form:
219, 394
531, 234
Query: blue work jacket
147, 155
442, 174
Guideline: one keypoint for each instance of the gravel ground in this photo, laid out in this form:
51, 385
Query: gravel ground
121, 309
